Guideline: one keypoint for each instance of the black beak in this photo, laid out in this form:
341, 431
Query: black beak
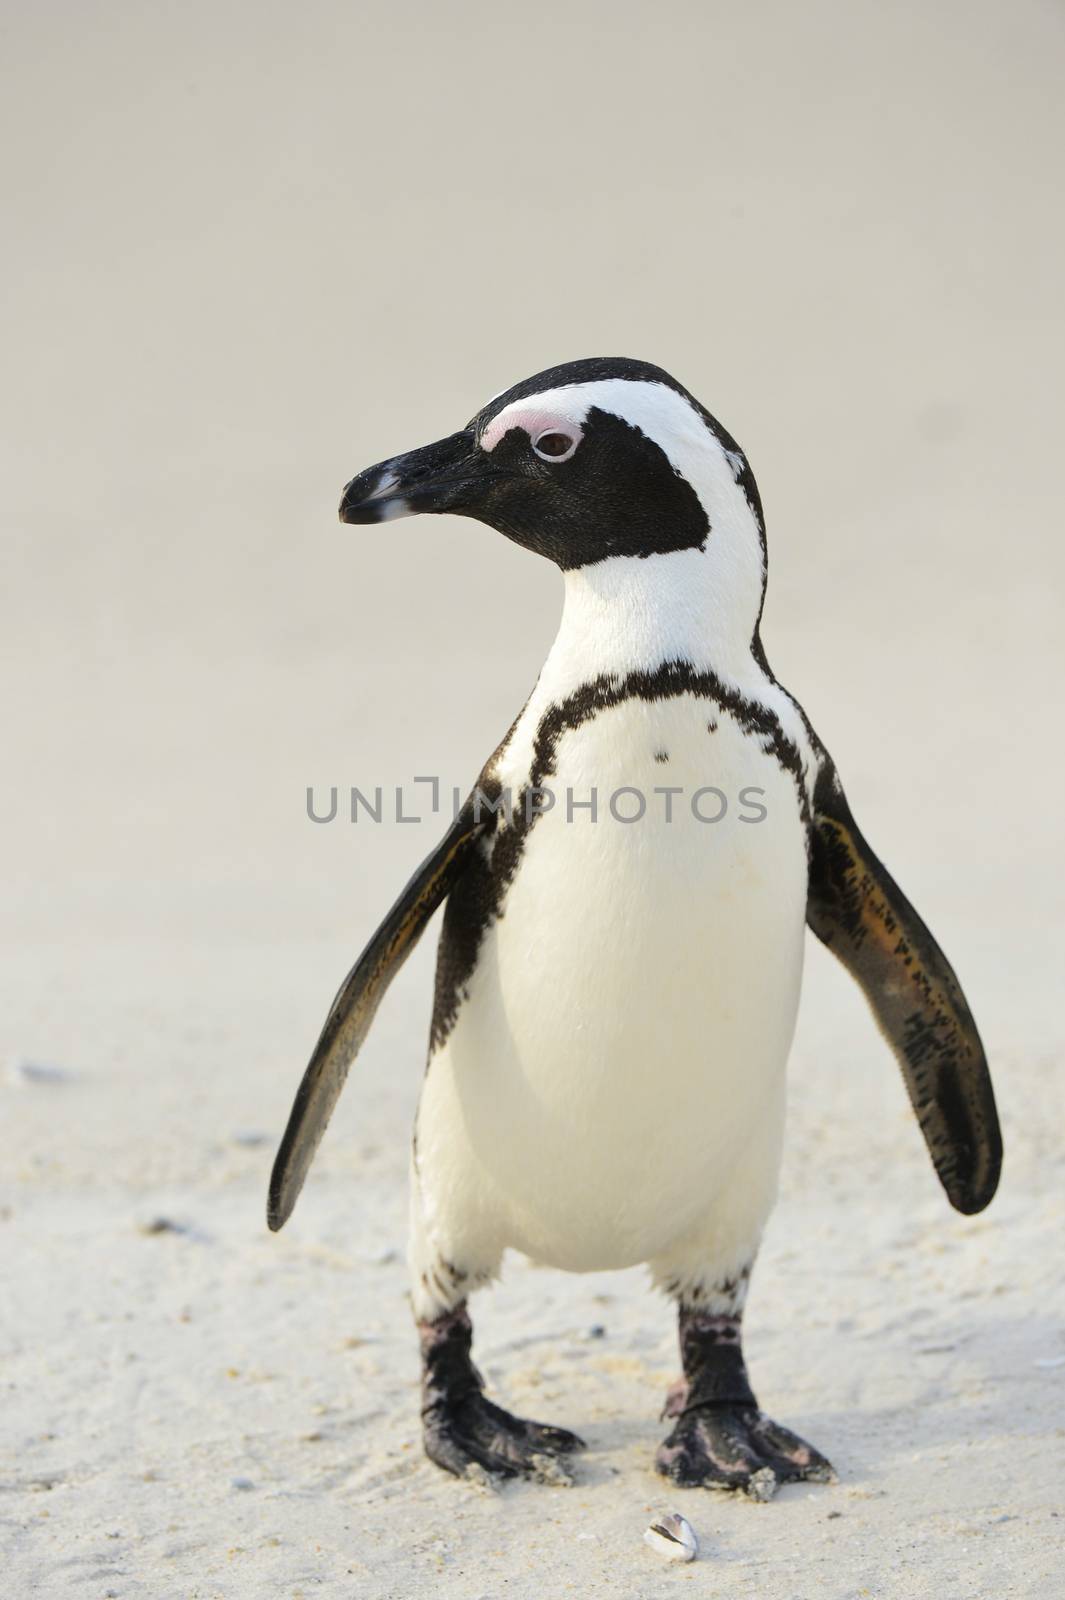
444, 476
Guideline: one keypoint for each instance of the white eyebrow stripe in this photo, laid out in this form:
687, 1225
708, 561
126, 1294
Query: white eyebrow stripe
661, 413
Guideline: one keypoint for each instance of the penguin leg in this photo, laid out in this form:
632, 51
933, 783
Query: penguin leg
463, 1431
721, 1439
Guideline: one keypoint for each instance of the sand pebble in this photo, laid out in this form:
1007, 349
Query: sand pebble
22, 1071
763, 1485
161, 1225
476, 1476
549, 1469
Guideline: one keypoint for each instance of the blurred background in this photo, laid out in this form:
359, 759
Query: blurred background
249, 251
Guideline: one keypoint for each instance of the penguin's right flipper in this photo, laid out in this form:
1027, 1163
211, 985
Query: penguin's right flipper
857, 909
354, 1008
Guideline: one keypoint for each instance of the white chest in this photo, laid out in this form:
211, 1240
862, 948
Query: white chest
628, 1021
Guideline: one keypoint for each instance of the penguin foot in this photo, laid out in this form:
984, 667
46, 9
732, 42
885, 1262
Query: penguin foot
466, 1433
719, 1445
472, 1436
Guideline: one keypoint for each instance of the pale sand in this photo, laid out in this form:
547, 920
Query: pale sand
254, 254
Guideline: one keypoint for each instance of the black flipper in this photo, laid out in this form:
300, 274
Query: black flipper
354, 1008
858, 910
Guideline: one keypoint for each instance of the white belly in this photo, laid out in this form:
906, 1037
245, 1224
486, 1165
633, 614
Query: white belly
622, 1048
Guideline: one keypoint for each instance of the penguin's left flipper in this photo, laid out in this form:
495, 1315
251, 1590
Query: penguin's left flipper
354, 1008
857, 909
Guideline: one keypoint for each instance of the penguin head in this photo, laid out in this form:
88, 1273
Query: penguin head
587, 461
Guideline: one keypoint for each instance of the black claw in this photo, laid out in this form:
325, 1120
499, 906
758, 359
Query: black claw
797, 1458
554, 1439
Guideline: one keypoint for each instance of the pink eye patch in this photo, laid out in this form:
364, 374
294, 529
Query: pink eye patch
533, 420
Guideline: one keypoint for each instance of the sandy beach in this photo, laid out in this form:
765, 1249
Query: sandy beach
251, 254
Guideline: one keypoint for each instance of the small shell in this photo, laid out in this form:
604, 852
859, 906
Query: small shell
673, 1537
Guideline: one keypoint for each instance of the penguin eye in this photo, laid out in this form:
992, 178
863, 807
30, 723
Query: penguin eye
553, 445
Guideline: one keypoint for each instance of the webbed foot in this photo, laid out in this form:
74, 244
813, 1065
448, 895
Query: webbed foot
473, 1435
468, 1434
728, 1446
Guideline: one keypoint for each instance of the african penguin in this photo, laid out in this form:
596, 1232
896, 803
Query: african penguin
617, 979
